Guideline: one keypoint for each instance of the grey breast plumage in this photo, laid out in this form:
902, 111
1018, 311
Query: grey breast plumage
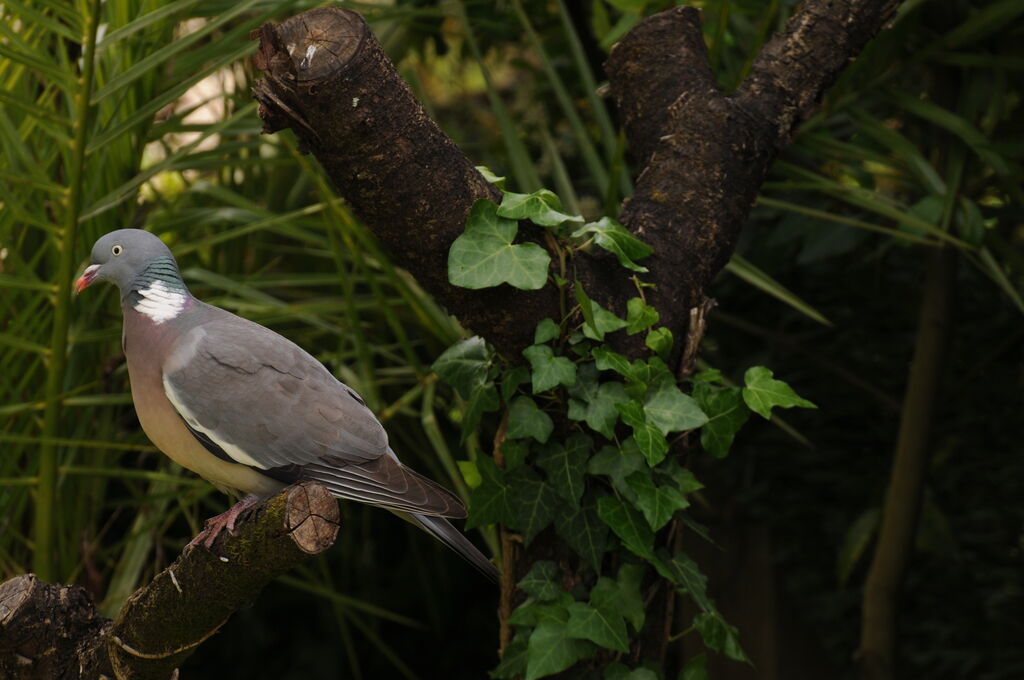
254, 396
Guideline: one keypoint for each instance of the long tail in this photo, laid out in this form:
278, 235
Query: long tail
442, 530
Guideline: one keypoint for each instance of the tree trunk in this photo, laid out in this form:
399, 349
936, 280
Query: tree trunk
903, 500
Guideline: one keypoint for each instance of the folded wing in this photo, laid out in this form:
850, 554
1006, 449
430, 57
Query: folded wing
253, 397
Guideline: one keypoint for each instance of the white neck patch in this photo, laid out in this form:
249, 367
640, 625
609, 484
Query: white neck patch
159, 302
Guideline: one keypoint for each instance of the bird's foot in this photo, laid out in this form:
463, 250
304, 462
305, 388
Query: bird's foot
226, 520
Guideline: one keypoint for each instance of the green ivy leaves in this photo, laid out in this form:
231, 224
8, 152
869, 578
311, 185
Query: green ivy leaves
526, 420
484, 256
549, 371
615, 238
564, 629
467, 366
669, 409
542, 207
565, 466
763, 392
605, 481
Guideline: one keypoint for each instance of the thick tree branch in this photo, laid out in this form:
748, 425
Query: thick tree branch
49, 631
703, 154
795, 68
706, 154
327, 78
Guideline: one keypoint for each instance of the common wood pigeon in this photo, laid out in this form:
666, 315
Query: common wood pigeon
248, 409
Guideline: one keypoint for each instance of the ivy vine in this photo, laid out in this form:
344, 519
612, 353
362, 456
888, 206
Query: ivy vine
609, 484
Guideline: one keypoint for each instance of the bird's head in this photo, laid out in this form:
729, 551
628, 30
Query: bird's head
120, 256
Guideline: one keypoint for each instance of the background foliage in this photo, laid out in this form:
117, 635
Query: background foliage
918, 144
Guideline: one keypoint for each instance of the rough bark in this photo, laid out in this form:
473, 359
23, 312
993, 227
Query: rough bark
328, 79
50, 631
702, 154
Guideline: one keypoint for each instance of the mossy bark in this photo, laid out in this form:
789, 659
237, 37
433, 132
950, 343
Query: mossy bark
49, 631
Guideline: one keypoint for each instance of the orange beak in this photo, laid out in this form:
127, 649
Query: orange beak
87, 277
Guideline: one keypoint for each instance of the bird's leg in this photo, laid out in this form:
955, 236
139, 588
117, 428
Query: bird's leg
225, 520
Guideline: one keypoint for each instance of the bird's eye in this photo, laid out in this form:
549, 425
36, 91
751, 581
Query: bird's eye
117, 250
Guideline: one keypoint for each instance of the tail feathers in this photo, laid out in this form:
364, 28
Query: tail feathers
442, 530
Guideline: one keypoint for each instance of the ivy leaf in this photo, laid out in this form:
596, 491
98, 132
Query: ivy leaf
490, 176
604, 322
660, 341
542, 581
622, 595
628, 525
658, 503
541, 207
763, 392
483, 398
618, 464
669, 409
535, 503
464, 365
467, 366
726, 414
604, 627
697, 669
708, 375
512, 379
597, 321
608, 360
484, 256
547, 330
548, 370
585, 303
526, 420
639, 316
513, 662
584, 531
719, 635
618, 671
595, 403
615, 238
648, 437
648, 372
491, 501
565, 466
515, 453
532, 613
684, 572
551, 650
683, 478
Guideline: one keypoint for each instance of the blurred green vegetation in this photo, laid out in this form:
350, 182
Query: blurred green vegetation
918, 145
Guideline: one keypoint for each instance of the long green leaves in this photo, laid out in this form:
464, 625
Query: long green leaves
46, 499
135, 142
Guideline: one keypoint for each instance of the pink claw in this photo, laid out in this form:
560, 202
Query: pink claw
226, 520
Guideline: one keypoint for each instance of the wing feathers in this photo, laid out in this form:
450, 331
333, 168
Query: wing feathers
384, 482
250, 394
387, 483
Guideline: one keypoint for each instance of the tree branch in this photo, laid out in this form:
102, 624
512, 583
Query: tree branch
328, 78
703, 154
49, 631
